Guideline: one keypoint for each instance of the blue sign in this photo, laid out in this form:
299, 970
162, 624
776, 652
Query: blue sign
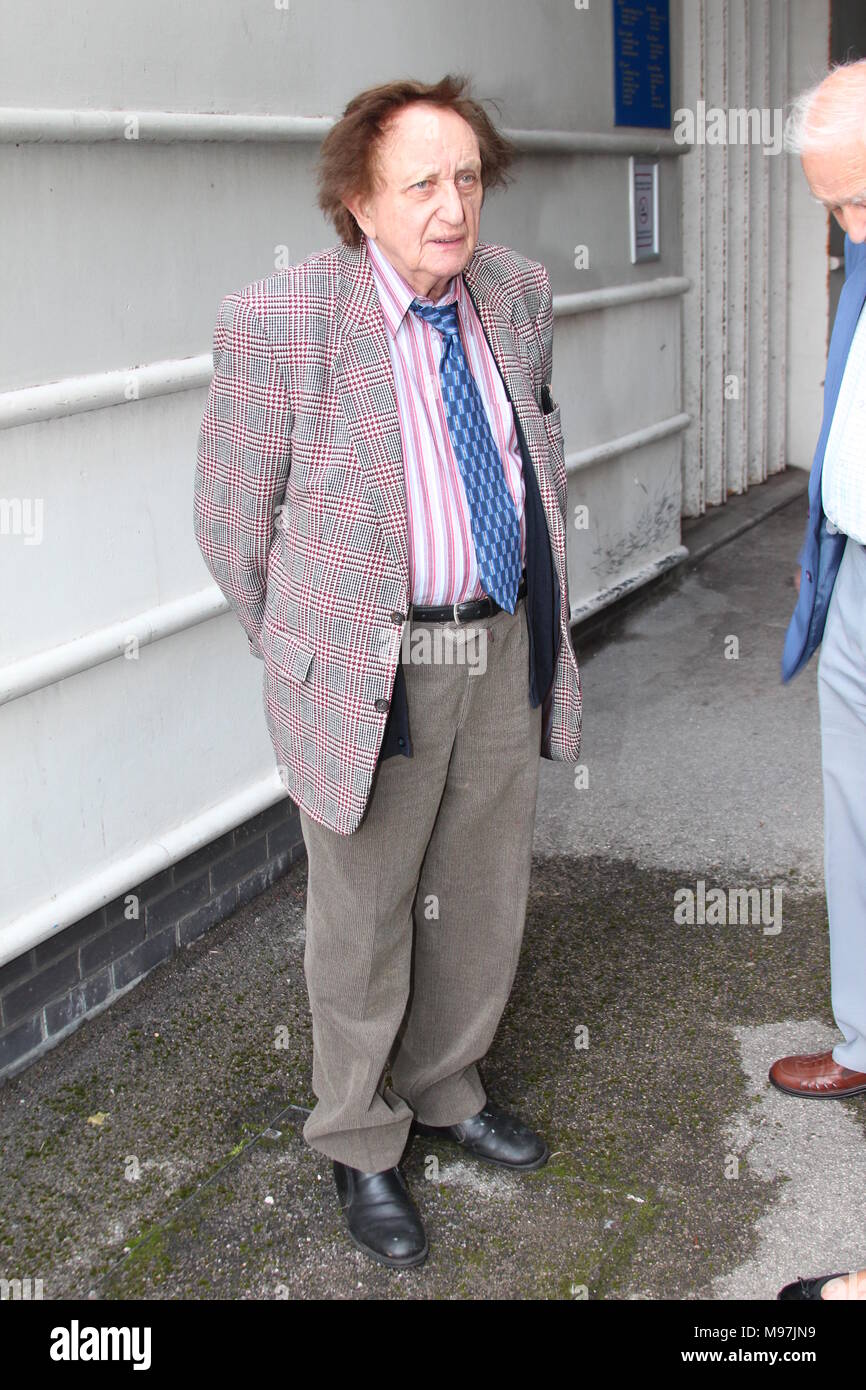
642, 63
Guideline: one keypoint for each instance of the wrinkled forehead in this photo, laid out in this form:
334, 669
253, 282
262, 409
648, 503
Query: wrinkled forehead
427, 137
836, 175
835, 165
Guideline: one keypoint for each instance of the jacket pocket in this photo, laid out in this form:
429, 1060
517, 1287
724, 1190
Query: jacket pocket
288, 654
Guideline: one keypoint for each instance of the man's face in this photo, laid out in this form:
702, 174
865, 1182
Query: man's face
425, 211
837, 178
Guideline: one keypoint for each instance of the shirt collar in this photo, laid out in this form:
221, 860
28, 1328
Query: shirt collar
395, 295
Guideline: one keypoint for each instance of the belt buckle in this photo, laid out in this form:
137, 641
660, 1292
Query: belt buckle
464, 603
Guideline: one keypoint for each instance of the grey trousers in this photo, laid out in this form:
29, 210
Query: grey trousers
842, 699
415, 920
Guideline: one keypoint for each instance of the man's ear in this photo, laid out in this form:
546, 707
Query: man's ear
359, 209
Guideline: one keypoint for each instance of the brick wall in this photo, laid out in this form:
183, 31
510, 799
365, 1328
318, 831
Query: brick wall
48, 992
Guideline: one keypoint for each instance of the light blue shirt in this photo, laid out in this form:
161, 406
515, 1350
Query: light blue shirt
843, 476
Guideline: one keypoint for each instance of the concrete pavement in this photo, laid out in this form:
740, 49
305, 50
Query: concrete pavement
157, 1152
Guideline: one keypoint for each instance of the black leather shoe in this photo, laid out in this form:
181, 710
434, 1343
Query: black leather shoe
807, 1288
495, 1136
382, 1218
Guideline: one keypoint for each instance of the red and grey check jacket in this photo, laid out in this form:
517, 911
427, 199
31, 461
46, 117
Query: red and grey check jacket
300, 508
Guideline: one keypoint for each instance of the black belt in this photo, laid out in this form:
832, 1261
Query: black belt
463, 612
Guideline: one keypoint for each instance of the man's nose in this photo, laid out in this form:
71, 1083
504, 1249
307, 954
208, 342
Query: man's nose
853, 221
450, 203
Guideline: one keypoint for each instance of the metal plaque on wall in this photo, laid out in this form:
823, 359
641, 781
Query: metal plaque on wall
643, 199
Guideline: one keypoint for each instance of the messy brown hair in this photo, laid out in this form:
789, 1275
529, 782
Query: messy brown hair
347, 162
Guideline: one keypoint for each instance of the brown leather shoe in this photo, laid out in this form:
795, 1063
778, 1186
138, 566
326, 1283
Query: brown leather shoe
816, 1075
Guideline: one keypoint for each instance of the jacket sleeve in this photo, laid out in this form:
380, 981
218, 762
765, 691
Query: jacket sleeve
243, 462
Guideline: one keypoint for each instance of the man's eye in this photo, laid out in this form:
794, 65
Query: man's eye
466, 179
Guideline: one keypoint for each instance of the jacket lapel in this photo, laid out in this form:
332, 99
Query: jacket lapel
847, 314
497, 314
365, 383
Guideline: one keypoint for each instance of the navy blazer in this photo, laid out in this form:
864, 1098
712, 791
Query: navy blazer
542, 609
821, 551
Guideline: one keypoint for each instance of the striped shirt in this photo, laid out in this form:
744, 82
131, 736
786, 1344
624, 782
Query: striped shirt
442, 562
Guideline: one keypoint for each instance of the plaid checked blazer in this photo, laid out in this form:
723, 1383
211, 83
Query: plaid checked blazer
300, 509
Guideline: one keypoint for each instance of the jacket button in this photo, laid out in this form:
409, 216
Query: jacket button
398, 617
382, 705
809, 576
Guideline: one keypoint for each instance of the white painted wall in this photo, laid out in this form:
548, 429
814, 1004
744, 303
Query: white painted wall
117, 253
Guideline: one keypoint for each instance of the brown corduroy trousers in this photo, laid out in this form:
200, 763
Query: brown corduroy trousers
415, 920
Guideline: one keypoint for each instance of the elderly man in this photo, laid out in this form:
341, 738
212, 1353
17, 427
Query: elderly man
828, 129
380, 461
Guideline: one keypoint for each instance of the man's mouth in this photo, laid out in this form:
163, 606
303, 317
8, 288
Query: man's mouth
447, 241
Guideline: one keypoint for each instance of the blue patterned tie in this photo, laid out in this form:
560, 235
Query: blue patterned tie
495, 527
